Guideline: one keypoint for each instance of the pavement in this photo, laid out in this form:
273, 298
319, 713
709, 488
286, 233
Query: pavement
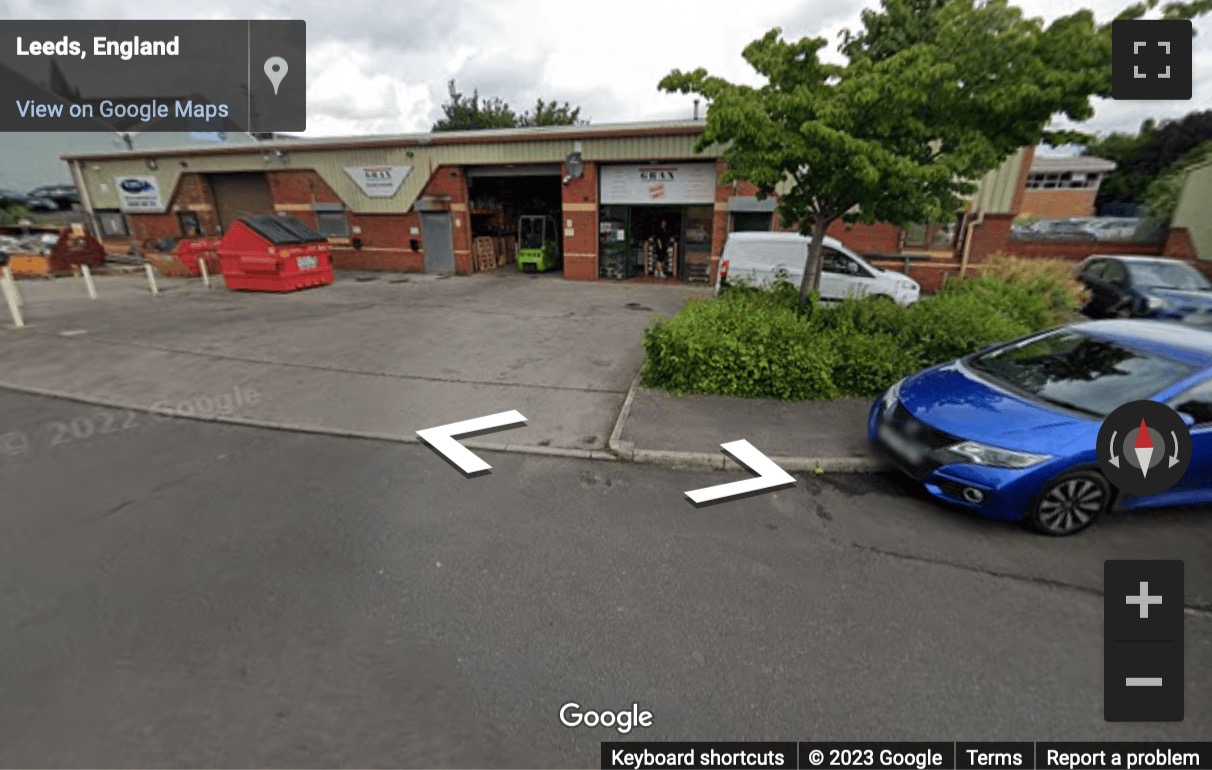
177, 593
384, 355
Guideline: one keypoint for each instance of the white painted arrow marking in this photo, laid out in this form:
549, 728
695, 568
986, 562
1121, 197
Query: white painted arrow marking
442, 440
768, 475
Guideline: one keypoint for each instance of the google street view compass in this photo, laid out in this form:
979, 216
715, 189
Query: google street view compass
1144, 448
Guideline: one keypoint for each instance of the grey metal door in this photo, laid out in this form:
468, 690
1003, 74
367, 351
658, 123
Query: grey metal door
438, 242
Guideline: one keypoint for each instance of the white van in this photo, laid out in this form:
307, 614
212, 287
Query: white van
757, 257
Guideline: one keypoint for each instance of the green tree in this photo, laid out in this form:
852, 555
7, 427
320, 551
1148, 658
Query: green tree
1142, 158
471, 113
552, 114
1162, 195
933, 94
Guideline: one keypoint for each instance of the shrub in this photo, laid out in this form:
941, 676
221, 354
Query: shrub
953, 324
739, 346
757, 343
866, 364
1052, 279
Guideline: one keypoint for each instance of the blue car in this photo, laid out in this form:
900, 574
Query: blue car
1010, 432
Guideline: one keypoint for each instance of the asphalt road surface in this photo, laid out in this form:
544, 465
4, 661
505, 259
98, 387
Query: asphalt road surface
179, 593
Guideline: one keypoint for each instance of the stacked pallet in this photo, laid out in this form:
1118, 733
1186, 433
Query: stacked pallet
485, 251
507, 251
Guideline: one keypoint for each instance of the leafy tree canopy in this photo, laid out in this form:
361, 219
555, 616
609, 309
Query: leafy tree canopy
1141, 158
471, 113
1162, 195
933, 94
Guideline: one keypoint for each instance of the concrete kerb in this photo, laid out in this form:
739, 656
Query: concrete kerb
627, 451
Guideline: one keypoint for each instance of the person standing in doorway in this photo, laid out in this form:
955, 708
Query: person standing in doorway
662, 243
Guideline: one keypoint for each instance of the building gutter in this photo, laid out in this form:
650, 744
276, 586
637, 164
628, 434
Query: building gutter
972, 225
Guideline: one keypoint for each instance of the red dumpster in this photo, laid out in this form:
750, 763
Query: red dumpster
190, 250
266, 253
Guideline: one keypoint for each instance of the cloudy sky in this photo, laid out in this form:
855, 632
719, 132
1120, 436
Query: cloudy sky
383, 67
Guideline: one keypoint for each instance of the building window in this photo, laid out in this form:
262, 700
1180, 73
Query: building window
1067, 180
190, 228
113, 224
752, 221
332, 224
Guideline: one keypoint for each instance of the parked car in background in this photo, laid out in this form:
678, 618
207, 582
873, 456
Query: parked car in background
64, 196
1113, 228
758, 258
1072, 229
10, 197
1010, 432
41, 204
1145, 287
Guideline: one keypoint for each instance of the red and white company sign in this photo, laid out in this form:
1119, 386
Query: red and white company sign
680, 184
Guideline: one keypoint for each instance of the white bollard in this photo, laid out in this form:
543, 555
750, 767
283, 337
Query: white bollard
151, 279
8, 275
88, 281
205, 274
10, 297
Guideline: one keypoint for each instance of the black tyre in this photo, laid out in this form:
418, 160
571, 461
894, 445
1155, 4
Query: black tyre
1070, 502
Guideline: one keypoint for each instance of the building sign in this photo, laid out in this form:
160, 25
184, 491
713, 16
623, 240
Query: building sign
638, 185
139, 194
378, 181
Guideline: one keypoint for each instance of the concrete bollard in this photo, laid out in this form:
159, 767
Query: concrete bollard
88, 281
205, 274
8, 275
10, 297
151, 279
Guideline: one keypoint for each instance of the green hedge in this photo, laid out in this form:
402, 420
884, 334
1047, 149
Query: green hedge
756, 343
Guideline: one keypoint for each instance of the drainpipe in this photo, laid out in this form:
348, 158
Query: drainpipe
972, 225
85, 201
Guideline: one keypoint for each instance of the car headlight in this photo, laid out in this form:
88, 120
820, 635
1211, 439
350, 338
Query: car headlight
1156, 303
983, 454
890, 397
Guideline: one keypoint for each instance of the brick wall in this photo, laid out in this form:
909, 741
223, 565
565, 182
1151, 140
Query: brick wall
1180, 245
194, 194
1058, 204
153, 227
878, 238
580, 207
991, 236
1077, 250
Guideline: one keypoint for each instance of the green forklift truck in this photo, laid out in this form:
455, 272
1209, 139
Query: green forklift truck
538, 244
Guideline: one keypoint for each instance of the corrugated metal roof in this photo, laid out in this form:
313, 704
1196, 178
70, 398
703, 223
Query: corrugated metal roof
486, 136
1057, 164
996, 191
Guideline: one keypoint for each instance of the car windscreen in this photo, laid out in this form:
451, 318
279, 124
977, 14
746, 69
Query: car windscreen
1079, 371
1168, 275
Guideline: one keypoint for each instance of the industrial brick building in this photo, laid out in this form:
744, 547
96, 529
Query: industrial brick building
416, 202
423, 202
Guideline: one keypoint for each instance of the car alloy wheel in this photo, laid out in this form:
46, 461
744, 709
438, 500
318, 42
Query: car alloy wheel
1070, 503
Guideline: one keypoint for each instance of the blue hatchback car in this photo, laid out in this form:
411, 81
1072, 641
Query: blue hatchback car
1010, 432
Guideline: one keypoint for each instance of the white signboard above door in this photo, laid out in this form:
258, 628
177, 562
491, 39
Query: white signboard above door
652, 184
139, 194
378, 181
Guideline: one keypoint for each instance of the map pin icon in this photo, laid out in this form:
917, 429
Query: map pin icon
275, 70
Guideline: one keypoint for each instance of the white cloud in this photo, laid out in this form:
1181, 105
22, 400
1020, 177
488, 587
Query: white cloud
384, 68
